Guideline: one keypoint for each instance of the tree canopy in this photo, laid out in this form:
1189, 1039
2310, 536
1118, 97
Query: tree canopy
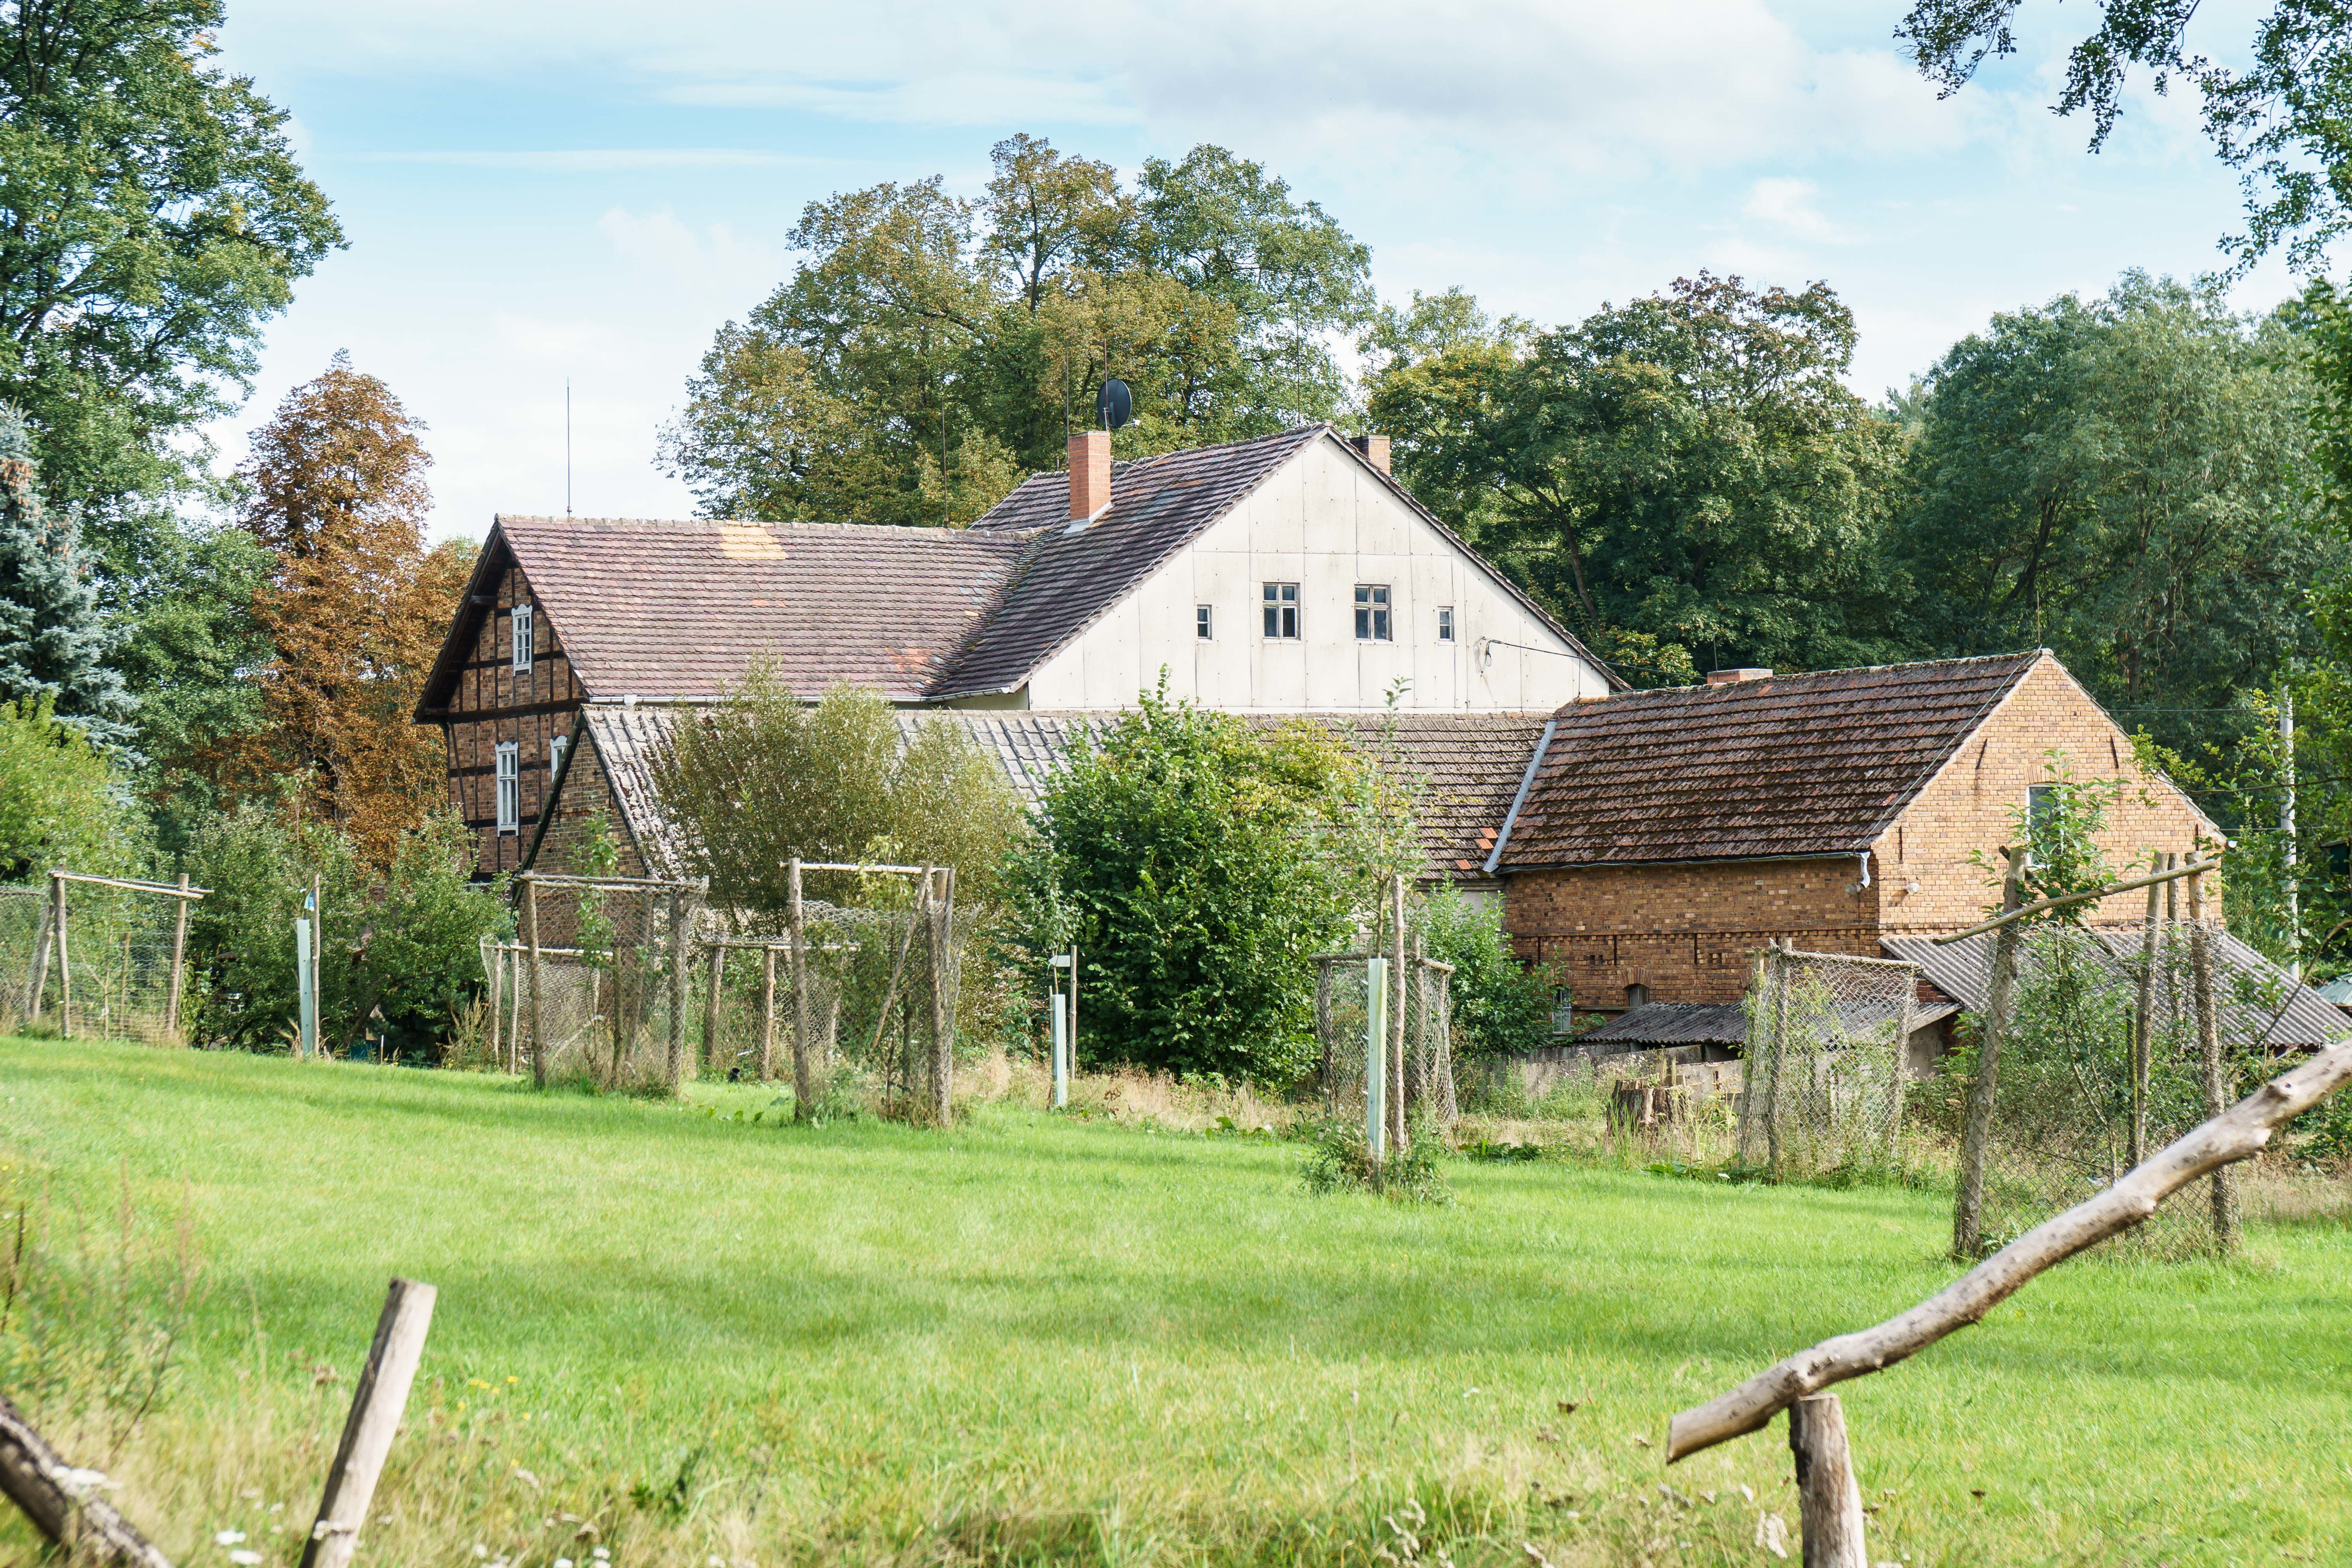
933, 350
157, 219
56, 648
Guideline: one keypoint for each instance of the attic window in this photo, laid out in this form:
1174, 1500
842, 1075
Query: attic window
2041, 809
522, 636
1371, 612
556, 747
1445, 623
1282, 611
1204, 622
509, 775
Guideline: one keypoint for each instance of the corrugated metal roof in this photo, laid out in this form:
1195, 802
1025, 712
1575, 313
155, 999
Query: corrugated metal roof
1725, 1023
2258, 1004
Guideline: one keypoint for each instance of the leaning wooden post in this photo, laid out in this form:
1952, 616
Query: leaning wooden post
64, 1502
1968, 1212
376, 1404
942, 1036
1829, 1498
804, 1078
531, 936
2144, 1018
47, 940
65, 962
2209, 1037
179, 956
767, 1012
1396, 1015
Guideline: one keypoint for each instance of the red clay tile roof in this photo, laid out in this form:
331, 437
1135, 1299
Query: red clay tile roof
1795, 764
682, 609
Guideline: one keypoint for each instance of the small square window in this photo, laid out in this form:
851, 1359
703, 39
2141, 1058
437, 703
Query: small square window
510, 778
1445, 623
1371, 612
1282, 611
522, 636
1203, 622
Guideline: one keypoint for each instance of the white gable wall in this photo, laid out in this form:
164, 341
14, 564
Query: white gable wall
1325, 523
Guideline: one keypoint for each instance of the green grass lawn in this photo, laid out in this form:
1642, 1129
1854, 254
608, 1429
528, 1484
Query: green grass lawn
685, 1337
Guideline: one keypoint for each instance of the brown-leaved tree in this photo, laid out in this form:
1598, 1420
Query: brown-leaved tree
354, 605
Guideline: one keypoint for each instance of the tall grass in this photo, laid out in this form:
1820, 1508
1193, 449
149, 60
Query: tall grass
681, 1333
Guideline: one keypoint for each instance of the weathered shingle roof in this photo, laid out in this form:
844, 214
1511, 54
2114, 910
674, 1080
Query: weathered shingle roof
1463, 766
2259, 1004
1796, 764
1158, 506
1726, 1024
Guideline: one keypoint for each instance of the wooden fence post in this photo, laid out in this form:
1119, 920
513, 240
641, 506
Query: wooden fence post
767, 1012
1779, 970
65, 963
942, 1034
47, 938
1968, 1212
804, 1078
1323, 1035
2144, 1018
376, 1404
179, 956
710, 1057
676, 1066
1829, 1498
2209, 1035
498, 999
531, 936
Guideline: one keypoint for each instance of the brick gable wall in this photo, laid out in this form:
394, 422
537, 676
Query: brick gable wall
587, 796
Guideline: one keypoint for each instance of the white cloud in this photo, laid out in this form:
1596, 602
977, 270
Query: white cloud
1787, 205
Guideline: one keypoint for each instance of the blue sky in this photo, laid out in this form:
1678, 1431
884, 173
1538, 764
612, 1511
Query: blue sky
535, 191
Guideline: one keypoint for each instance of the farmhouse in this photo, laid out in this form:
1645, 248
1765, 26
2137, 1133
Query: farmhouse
1659, 837
1286, 574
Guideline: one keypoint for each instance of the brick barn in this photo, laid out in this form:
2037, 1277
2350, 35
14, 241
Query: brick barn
1659, 837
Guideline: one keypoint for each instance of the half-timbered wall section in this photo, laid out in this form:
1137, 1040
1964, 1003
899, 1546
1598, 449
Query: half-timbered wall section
493, 704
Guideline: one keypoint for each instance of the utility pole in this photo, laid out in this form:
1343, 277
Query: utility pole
2286, 838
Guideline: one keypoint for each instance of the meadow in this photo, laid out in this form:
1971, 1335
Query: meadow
689, 1334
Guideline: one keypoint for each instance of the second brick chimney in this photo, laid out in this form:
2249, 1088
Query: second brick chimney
1375, 447
1736, 677
1089, 474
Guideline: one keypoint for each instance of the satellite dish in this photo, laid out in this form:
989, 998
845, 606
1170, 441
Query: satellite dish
1114, 404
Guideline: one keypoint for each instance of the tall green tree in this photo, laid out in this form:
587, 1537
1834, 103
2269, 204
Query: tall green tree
2124, 479
56, 646
2280, 115
932, 351
1685, 477
156, 220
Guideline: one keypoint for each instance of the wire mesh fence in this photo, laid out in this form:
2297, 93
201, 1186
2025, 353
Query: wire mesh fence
1828, 1035
642, 985
112, 968
1421, 1074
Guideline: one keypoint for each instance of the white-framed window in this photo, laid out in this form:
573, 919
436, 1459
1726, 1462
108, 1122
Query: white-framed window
521, 615
1282, 611
1445, 623
1371, 612
556, 747
1204, 621
509, 775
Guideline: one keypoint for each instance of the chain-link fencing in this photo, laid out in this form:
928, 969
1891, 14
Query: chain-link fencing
642, 985
112, 968
1828, 1035
1420, 1081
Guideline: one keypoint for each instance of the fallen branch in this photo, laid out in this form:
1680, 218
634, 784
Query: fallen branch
2241, 1131
62, 1501
2189, 868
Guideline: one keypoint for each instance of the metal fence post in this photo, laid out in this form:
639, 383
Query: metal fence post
1376, 1054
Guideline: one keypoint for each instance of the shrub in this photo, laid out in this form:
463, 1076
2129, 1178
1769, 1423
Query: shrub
1501, 1007
1337, 1161
1198, 866
59, 806
406, 941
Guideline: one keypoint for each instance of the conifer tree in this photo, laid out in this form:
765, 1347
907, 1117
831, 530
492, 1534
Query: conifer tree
54, 644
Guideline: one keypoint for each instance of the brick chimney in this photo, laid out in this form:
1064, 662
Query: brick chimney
1089, 474
1375, 447
1734, 677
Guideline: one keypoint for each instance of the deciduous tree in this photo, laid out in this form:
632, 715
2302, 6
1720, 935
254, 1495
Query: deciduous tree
354, 605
